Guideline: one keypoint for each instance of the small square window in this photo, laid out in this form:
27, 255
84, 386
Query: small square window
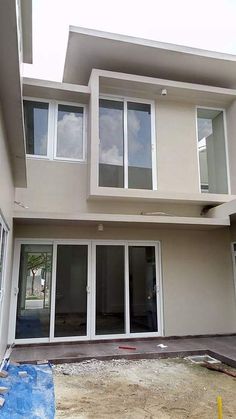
70, 132
36, 127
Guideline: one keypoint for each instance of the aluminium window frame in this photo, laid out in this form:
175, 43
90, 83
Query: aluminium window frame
223, 110
52, 130
125, 100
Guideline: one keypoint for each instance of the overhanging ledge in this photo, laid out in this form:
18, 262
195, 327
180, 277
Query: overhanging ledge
109, 51
119, 219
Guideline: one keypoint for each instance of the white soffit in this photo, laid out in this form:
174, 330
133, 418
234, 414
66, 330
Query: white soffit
88, 49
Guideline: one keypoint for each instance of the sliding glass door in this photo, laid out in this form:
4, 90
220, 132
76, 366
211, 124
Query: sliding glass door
127, 298
34, 297
110, 290
53, 292
87, 290
142, 289
71, 291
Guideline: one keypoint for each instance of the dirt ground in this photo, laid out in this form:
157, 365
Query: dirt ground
162, 389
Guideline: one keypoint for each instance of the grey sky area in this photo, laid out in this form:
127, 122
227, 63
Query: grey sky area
207, 24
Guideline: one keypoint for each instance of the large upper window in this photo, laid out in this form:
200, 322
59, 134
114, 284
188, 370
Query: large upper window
127, 152
54, 130
212, 152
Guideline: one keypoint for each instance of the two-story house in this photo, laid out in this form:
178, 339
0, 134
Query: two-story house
126, 228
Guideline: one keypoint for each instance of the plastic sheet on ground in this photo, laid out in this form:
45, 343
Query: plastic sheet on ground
30, 397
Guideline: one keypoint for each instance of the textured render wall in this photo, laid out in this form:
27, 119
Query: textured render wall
6, 206
59, 187
177, 159
198, 290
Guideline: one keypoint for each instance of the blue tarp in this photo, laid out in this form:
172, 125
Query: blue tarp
30, 397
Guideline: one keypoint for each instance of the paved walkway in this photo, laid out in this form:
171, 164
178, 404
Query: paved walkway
223, 348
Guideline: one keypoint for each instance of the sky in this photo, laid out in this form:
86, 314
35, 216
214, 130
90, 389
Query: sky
206, 24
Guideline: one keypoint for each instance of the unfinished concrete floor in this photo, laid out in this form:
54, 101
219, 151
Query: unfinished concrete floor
141, 389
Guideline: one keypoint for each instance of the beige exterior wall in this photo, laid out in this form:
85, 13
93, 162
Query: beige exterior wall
198, 289
6, 207
177, 158
59, 187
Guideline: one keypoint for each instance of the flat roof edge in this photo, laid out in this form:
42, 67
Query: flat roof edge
152, 43
27, 81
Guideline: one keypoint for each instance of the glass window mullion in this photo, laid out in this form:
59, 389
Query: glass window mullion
125, 145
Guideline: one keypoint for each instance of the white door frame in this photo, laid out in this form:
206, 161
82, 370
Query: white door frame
91, 290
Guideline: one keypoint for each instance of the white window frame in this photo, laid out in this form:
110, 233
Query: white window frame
91, 289
5, 228
52, 130
226, 147
125, 100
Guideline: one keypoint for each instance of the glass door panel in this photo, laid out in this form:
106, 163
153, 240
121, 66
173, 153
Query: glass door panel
34, 297
71, 291
110, 290
142, 289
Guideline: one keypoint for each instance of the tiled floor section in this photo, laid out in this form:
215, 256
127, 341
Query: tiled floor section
223, 347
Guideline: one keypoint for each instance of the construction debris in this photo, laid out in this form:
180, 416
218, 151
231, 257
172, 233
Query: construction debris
3, 374
130, 348
219, 368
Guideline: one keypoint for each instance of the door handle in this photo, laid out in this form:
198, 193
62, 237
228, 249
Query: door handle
88, 289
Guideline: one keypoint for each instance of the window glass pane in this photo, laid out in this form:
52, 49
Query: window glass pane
36, 127
70, 132
139, 146
211, 148
110, 290
34, 297
142, 286
111, 150
71, 294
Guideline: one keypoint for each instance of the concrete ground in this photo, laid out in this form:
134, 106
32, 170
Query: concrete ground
141, 389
